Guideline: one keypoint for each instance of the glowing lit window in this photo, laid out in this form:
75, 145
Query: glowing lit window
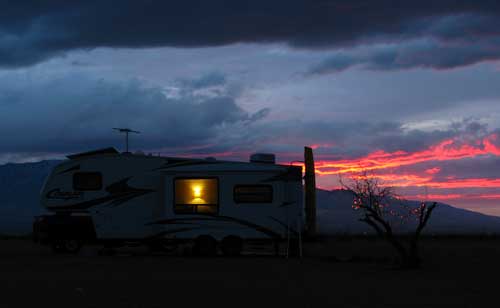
196, 196
253, 194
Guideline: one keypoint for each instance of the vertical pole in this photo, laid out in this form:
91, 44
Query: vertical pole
287, 232
126, 142
310, 192
288, 239
299, 229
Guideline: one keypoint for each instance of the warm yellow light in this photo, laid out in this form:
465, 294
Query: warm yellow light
198, 201
197, 191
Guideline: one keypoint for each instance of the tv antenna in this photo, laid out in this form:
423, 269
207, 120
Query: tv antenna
126, 131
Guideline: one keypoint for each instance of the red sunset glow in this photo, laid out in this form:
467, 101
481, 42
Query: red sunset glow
416, 175
453, 196
387, 167
446, 150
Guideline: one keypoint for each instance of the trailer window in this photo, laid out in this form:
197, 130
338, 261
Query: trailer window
87, 181
196, 196
253, 194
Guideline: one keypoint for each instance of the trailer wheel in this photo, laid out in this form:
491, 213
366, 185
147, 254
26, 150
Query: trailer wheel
231, 246
66, 246
57, 247
72, 246
163, 246
206, 246
107, 251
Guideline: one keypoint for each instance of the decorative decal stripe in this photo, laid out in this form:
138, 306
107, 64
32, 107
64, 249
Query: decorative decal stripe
119, 192
286, 203
177, 220
86, 204
249, 224
172, 231
246, 223
291, 174
186, 163
63, 195
129, 197
284, 225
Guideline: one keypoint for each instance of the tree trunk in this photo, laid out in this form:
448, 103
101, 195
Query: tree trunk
413, 255
408, 258
412, 261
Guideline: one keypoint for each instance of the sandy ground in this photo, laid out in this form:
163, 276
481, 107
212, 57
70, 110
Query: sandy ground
457, 273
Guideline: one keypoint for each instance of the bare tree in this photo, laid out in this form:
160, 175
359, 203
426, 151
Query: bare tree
377, 203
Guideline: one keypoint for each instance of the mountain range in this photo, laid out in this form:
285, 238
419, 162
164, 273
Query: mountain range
20, 186
336, 215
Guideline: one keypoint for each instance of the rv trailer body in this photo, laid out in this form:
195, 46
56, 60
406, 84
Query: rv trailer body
106, 195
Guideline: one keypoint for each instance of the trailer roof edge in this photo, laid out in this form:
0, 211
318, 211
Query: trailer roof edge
109, 150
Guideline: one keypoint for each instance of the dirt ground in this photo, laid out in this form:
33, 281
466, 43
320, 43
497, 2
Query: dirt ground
336, 273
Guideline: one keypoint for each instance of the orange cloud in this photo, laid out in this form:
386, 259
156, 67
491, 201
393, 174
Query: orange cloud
433, 170
453, 196
450, 149
464, 183
321, 145
406, 180
436, 197
383, 166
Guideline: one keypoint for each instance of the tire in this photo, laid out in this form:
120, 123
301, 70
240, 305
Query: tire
164, 246
231, 246
57, 247
106, 252
205, 246
66, 246
72, 246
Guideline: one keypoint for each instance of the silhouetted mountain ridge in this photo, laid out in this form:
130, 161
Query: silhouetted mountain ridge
20, 186
335, 215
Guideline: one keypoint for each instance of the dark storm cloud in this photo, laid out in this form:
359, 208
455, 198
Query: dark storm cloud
442, 43
427, 54
208, 80
410, 141
482, 167
341, 139
414, 140
32, 31
75, 113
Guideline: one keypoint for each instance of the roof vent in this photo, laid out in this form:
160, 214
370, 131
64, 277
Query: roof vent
266, 158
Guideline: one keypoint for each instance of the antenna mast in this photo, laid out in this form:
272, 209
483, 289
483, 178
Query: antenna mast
126, 131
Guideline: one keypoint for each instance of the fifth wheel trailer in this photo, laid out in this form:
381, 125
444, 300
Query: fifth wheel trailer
114, 198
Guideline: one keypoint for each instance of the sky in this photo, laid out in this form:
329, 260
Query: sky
405, 90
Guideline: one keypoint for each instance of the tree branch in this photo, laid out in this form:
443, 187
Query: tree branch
370, 222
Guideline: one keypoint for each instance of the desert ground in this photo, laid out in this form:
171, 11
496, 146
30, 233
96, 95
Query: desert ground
458, 272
